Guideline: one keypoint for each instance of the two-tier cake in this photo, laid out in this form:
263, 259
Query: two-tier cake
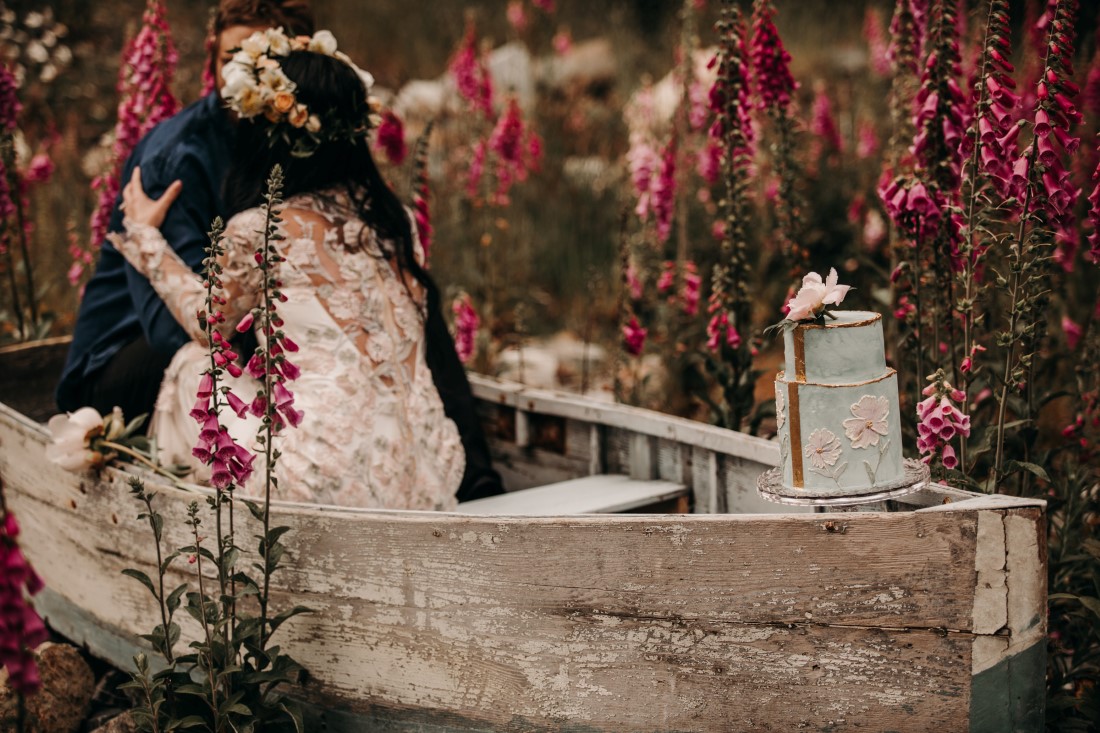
837, 414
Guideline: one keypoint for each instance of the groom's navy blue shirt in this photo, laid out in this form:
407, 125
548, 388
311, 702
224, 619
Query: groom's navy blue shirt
119, 304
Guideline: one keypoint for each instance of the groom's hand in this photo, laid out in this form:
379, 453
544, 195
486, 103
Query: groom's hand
141, 209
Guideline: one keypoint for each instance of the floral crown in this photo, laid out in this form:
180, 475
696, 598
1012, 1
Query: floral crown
255, 85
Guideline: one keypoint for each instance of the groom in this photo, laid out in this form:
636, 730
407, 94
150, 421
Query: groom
125, 336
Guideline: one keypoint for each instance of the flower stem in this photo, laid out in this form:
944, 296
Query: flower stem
140, 458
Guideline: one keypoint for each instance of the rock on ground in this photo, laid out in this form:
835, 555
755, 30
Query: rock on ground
66, 695
120, 724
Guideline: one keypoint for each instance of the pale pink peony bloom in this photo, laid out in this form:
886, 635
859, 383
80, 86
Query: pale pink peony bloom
72, 436
822, 449
868, 421
814, 295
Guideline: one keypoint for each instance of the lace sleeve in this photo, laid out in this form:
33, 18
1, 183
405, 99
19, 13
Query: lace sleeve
180, 288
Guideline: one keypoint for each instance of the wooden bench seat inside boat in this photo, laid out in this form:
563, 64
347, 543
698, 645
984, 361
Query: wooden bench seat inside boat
598, 494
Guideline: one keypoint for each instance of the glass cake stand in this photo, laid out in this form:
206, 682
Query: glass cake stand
915, 476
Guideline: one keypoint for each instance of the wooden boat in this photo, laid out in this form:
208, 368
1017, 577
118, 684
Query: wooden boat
741, 615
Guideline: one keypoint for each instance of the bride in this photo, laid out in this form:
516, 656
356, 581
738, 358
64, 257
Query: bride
373, 431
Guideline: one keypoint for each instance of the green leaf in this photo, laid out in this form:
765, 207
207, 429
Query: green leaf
1030, 467
141, 578
191, 721
279, 619
173, 600
256, 509
1089, 602
295, 715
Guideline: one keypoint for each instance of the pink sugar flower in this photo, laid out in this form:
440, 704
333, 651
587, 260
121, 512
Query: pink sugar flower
634, 337
546, 6
391, 137
814, 295
868, 421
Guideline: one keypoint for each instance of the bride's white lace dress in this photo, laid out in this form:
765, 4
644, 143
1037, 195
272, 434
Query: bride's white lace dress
374, 433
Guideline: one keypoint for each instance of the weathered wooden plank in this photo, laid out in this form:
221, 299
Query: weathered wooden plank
522, 468
599, 494
636, 420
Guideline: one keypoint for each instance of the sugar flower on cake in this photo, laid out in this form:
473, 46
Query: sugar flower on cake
869, 421
823, 448
815, 295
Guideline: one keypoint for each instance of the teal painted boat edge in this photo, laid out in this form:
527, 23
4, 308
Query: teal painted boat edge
1010, 696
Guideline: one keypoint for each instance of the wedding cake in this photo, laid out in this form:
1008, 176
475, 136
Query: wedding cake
836, 404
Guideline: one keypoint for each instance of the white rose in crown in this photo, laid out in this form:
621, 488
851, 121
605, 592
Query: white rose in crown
323, 42
814, 295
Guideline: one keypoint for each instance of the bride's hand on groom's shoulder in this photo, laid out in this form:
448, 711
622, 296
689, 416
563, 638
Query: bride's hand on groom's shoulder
140, 209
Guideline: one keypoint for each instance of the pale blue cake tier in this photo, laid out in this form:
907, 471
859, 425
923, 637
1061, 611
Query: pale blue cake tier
844, 362
848, 349
825, 408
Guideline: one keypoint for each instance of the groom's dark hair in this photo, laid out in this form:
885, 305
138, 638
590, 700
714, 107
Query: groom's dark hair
293, 16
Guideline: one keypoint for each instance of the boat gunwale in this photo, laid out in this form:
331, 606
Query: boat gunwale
125, 471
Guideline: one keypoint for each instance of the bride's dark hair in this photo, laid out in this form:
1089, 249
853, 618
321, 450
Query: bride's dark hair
332, 90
